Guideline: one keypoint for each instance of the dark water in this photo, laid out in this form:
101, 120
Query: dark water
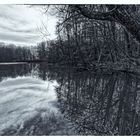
38, 99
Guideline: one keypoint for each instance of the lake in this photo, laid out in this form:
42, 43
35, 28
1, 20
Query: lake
41, 99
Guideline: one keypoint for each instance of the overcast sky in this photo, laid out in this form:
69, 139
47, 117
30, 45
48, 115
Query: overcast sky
22, 24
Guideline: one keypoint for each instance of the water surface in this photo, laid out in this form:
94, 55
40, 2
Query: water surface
38, 99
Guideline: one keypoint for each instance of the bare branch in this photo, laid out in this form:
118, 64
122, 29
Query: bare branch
96, 15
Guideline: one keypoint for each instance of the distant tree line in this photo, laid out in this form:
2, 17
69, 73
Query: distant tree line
11, 52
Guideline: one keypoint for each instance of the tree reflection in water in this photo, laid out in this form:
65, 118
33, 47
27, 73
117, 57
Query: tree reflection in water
99, 104
14, 70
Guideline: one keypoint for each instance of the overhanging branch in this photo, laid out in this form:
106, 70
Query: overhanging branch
96, 15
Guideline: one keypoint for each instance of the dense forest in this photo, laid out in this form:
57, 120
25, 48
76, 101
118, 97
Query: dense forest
90, 35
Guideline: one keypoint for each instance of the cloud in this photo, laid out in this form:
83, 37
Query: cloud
21, 23
20, 39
